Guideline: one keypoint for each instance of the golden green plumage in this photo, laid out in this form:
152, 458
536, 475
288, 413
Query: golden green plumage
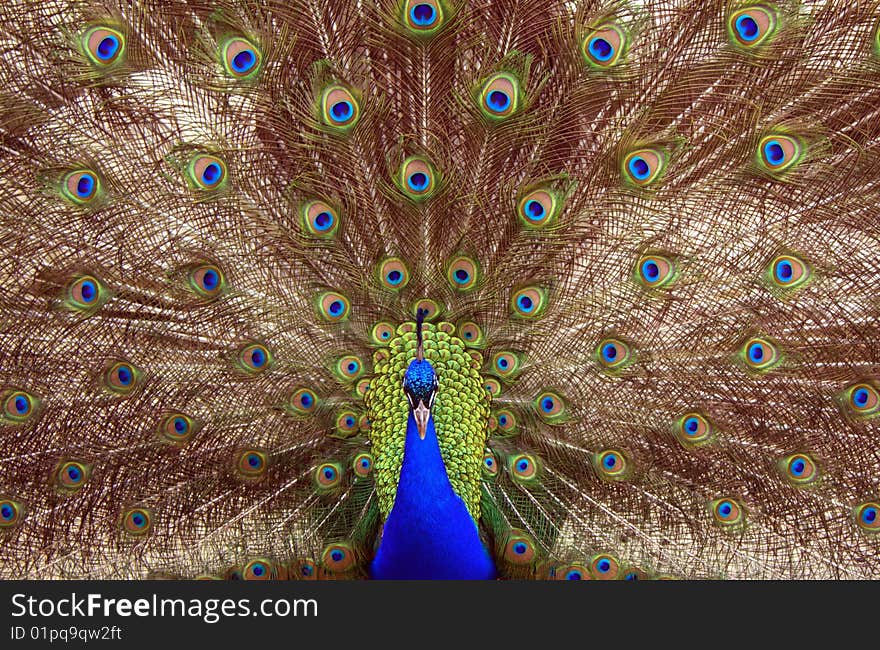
461, 412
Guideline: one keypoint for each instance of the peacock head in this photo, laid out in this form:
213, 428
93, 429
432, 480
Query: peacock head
420, 382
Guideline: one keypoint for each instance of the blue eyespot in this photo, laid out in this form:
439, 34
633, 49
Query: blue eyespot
520, 548
210, 279
336, 307
601, 49
525, 303
747, 28
88, 291
337, 555
756, 352
365, 463
422, 15
610, 461
798, 467
574, 574
107, 48
639, 168
650, 270
869, 515
773, 152
330, 473
73, 473
725, 509
180, 425
603, 566
7, 512
394, 277
323, 221
534, 210
417, 182
522, 465
306, 400
342, 111
860, 397
211, 174
124, 375
692, 425
349, 421
85, 185
498, 101
547, 404
22, 404
258, 358
609, 352
461, 276
244, 61
502, 420
254, 460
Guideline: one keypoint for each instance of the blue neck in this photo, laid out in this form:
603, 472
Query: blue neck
429, 533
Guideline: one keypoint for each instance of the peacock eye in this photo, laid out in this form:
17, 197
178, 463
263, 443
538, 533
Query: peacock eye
362, 465
727, 511
137, 521
251, 463
319, 219
328, 475
241, 58
655, 271
18, 406
519, 549
778, 153
70, 476
462, 273
499, 97
760, 354
751, 26
258, 570
611, 465
207, 172
80, 186
254, 358
644, 166
423, 17
613, 354
207, 280
303, 401
605, 567
332, 306
340, 108
103, 46
393, 274
799, 469
85, 294
177, 428
868, 517
603, 47
121, 377
11, 512
417, 178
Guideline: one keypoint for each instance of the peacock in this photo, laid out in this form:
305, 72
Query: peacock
439, 289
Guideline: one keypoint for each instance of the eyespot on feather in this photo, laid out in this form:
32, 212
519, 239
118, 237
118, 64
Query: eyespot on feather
251, 463
137, 522
612, 465
258, 569
693, 429
332, 306
423, 17
605, 567
727, 512
417, 179
462, 273
393, 274
799, 469
207, 280
70, 476
81, 186
319, 219
613, 354
178, 428
655, 271
348, 368
551, 407
867, 517
338, 557
241, 58
519, 549
12, 513
254, 358
490, 465
787, 272
523, 467
751, 26
206, 172
528, 302
507, 422
19, 406
339, 108
862, 400
432, 308
382, 333
499, 96
760, 355
644, 166
121, 377
103, 46
85, 294
303, 401
779, 153
362, 465
328, 476
604, 46
538, 208
346, 424
471, 334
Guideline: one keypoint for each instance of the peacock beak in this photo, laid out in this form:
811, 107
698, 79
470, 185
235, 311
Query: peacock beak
421, 413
